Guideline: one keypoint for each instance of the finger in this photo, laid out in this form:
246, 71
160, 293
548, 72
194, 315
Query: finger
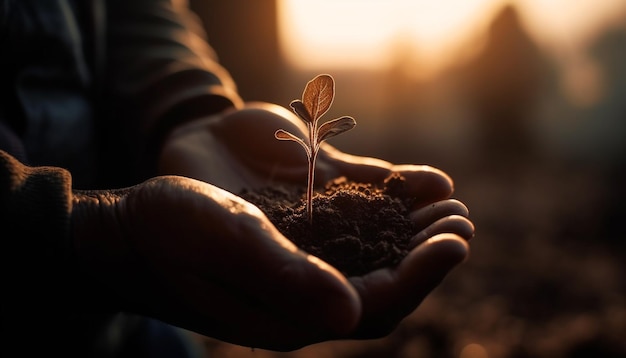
388, 295
333, 163
316, 292
426, 266
304, 302
428, 214
236, 316
455, 224
296, 286
425, 184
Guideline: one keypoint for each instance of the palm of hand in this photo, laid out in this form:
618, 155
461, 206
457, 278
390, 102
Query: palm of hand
236, 151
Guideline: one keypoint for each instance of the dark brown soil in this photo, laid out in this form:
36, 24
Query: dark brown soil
356, 227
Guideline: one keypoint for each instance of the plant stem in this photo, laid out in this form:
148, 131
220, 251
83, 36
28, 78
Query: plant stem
309, 193
311, 177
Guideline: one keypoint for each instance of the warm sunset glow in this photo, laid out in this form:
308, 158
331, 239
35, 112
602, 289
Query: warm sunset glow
368, 33
365, 33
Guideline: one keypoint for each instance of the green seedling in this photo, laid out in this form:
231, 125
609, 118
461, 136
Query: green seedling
317, 98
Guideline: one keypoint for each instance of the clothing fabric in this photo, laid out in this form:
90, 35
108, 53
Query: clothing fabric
88, 91
93, 86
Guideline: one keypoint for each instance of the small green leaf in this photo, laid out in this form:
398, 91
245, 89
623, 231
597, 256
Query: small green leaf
334, 127
282, 134
318, 96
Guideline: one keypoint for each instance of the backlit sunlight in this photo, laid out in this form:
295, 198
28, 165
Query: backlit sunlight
373, 33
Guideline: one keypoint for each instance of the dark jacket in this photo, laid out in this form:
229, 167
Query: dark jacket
93, 86
88, 89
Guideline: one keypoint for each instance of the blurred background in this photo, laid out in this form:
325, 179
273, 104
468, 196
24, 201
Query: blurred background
522, 102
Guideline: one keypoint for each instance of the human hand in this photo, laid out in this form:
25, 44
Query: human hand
237, 150
195, 256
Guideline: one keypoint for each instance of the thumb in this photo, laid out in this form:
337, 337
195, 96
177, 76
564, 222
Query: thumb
299, 300
425, 268
391, 294
313, 291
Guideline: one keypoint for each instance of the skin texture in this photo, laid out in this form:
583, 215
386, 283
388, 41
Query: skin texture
195, 255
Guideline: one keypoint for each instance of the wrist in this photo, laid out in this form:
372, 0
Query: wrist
96, 229
99, 249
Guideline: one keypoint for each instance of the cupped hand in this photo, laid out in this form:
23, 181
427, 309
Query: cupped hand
195, 256
237, 150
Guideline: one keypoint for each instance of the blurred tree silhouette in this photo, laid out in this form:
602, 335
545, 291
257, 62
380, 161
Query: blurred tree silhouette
502, 85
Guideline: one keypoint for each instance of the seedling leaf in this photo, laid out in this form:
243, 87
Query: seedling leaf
282, 134
318, 96
336, 126
299, 109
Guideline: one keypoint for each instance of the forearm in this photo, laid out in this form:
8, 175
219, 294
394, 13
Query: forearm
161, 69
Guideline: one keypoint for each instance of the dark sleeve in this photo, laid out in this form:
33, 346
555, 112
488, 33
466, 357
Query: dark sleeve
161, 68
35, 205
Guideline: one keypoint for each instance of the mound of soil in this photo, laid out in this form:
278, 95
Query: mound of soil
356, 227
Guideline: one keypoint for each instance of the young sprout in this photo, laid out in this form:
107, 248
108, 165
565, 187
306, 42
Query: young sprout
317, 98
